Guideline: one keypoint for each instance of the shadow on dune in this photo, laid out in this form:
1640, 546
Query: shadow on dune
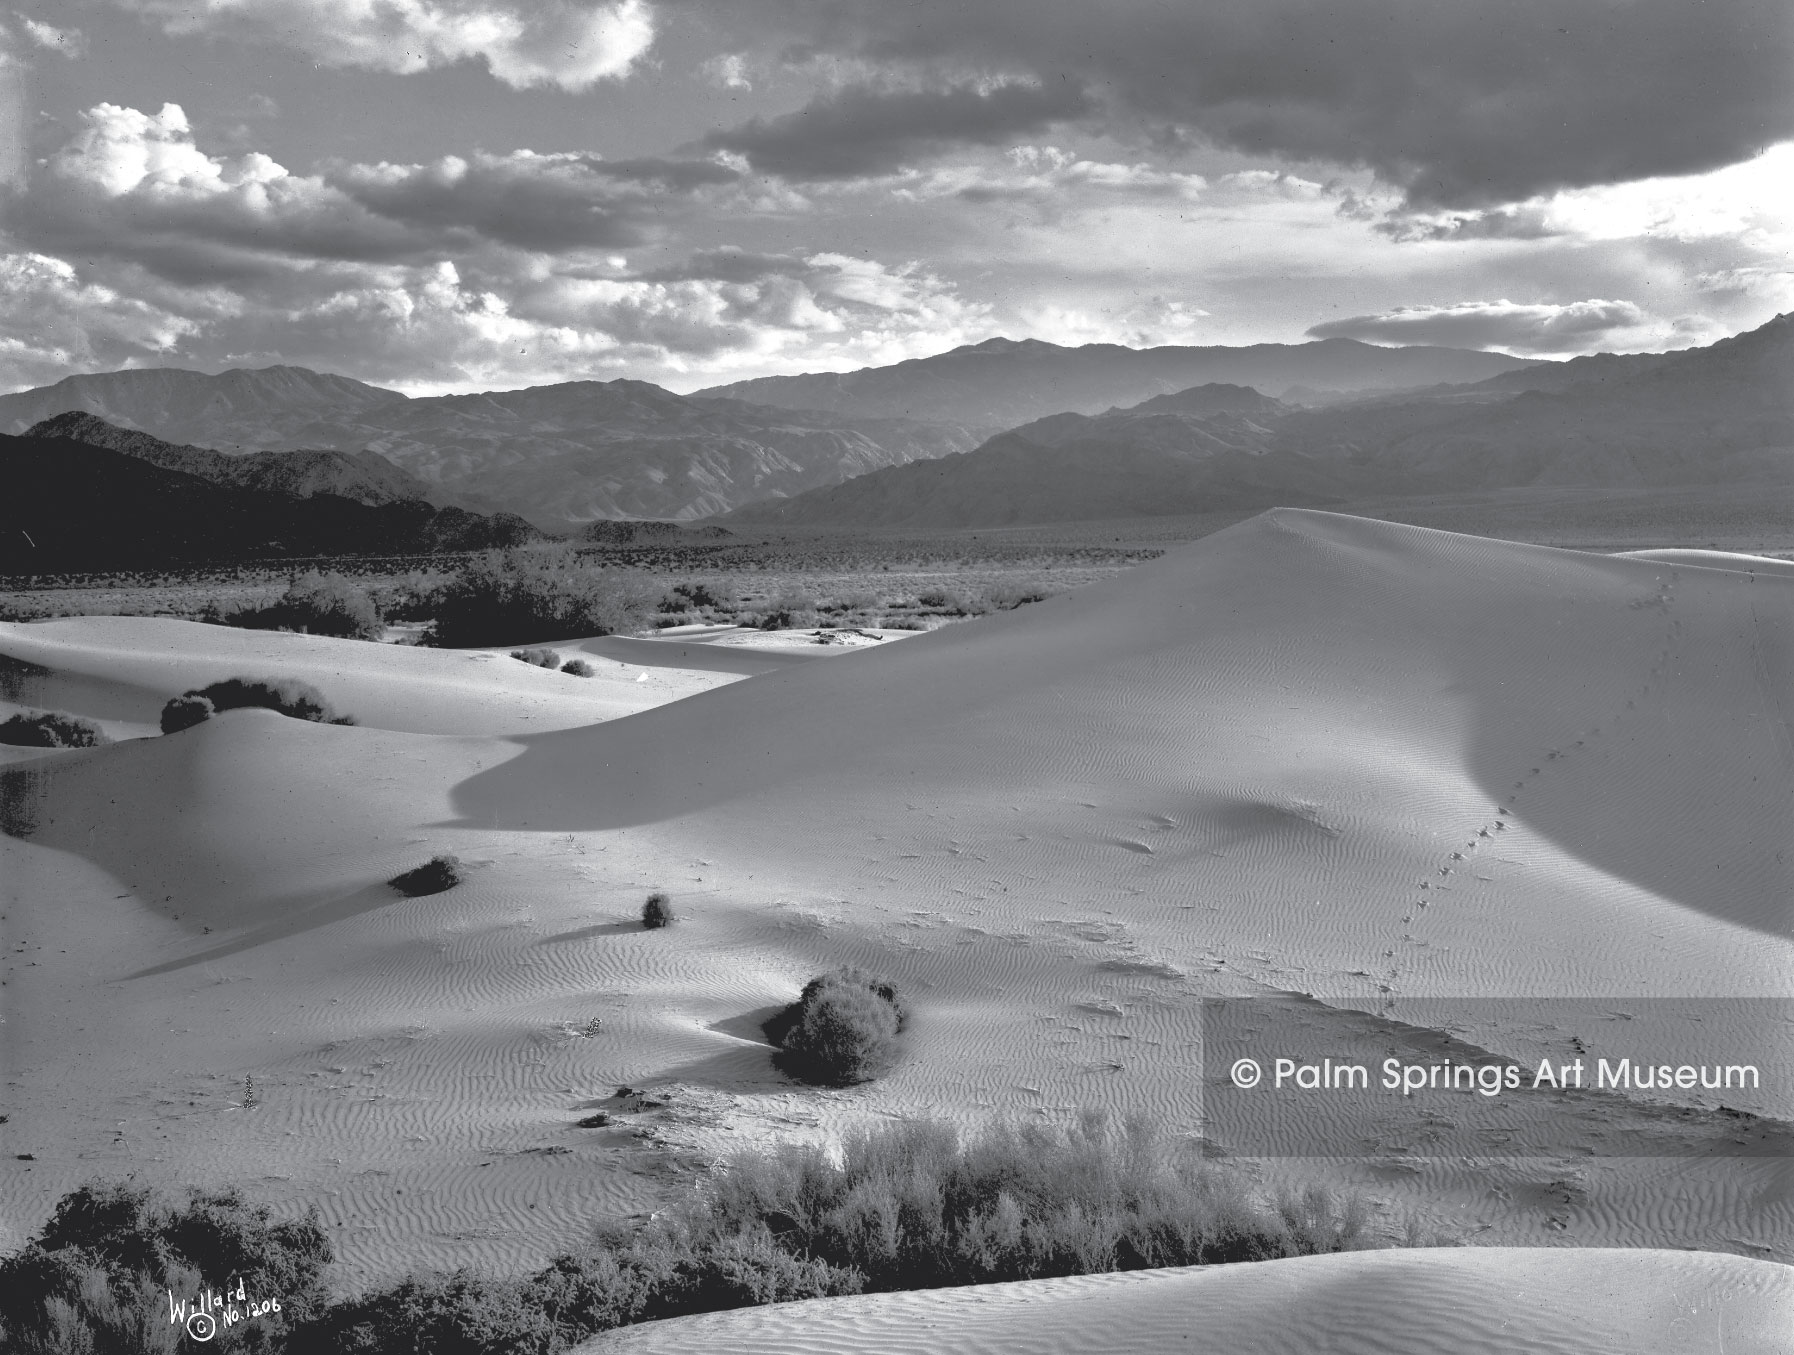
322, 914
1483, 659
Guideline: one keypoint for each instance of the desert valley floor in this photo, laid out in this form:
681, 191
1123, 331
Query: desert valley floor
1403, 781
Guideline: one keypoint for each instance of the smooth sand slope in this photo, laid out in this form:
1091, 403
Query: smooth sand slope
120, 670
1391, 769
1490, 1301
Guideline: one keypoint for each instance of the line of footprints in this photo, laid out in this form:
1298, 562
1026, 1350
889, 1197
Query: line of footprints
1429, 891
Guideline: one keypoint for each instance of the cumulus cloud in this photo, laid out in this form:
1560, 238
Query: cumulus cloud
69, 42
134, 185
860, 131
572, 44
1458, 104
54, 323
1577, 327
465, 273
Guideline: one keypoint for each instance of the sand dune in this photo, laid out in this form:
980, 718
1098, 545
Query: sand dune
1395, 770
1499, 1301
122, 669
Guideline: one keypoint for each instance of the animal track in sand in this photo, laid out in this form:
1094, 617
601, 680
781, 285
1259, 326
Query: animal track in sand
1428, 889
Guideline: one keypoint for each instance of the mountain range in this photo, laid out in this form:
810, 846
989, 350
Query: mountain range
1001, 383
1717, 415
559, 455
82, 495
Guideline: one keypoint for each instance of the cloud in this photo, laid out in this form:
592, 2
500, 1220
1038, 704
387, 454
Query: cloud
135, 186
860, 131
54, 323
572, 44
1457, 103
1741, 200
69, 42
1578, 327
728, 71
465, 273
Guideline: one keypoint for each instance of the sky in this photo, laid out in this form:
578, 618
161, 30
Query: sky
460, 195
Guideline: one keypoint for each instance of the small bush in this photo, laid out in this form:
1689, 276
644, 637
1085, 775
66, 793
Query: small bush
51, 729
298, 700
842, 1029
318, 604
579, 668
183, 712
541, 658
657, 912
503, 597
437, 874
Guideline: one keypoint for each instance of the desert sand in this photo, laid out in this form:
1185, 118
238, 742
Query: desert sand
1387, 771
1502, 1301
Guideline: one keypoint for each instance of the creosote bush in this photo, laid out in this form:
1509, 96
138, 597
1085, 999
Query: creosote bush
579, 668
903, 1206
842, 1029
51, 729
288, 696
319, 604
657, 911
543, 593
437, 874
98, 1275
540, 658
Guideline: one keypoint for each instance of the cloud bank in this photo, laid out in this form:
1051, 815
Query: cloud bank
571, 44
1535, 329
1456, 103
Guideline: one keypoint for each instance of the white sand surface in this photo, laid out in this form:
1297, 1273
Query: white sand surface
1489, 1301
1716, 559
1380, 766
122, 670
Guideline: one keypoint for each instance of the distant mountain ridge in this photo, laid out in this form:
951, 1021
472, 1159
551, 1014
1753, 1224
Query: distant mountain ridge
1006, 382
72, 505
1717, 415
361, 476
560, 455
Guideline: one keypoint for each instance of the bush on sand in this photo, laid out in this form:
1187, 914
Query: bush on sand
503, 597
51, 729
288, 696
842, 1029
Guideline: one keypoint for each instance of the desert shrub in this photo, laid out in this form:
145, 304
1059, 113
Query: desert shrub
460, 1314
319, 604
51, 729
502, 597
700, 595
842, 1029
948, 602
852, 602
288, 696
436, 875
1007, 599
185, 711
579, 668
97, 1277
541, 658
916, 1205
657, 911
